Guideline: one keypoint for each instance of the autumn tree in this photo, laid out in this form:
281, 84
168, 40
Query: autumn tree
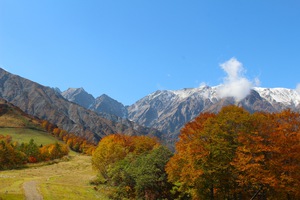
134, 165
202, 165
185, 167
285, 163
10, 157
142, 176
253, 156
116, 147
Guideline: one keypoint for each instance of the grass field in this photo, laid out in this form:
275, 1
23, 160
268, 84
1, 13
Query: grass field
25, 134
68, 179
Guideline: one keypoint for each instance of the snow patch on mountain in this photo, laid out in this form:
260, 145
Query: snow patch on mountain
205, 92
288, 97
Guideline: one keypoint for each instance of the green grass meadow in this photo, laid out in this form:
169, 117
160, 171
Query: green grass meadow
25, 134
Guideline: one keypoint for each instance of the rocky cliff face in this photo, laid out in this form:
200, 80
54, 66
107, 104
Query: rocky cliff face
47, 103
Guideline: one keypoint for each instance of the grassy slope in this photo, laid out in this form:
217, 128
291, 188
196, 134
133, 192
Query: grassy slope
24, 135
63, 180
21, 126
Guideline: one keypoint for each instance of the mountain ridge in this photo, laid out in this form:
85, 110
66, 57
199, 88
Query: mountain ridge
169, 110
47, 103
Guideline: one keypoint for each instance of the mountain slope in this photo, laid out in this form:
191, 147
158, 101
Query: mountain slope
169, 110
280, 98
13, 117
47, 103
105, 104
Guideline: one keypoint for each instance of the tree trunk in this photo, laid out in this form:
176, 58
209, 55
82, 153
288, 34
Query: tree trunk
212, 192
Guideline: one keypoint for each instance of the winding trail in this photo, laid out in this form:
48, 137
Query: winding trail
31, 192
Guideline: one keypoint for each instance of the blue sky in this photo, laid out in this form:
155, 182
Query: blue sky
128, 49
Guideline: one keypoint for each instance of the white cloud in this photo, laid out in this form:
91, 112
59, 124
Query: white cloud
235, 84
298, 88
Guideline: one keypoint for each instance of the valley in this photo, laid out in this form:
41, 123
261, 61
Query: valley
149, 100
41, 129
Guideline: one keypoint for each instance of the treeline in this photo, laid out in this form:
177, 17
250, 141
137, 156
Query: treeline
14, 155
231, 155
74, 142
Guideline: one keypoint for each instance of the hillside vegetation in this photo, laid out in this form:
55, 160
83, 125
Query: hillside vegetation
13, 117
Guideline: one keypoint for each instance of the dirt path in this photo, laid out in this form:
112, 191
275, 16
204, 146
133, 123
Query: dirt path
31, 192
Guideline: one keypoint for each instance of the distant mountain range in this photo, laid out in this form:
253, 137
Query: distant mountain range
162, 113
169, 110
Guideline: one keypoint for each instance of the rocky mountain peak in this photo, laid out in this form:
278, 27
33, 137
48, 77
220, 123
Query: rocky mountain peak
79, 96
106, 104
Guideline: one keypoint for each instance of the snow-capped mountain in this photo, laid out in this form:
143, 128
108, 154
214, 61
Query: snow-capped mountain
169, 110
288, 97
